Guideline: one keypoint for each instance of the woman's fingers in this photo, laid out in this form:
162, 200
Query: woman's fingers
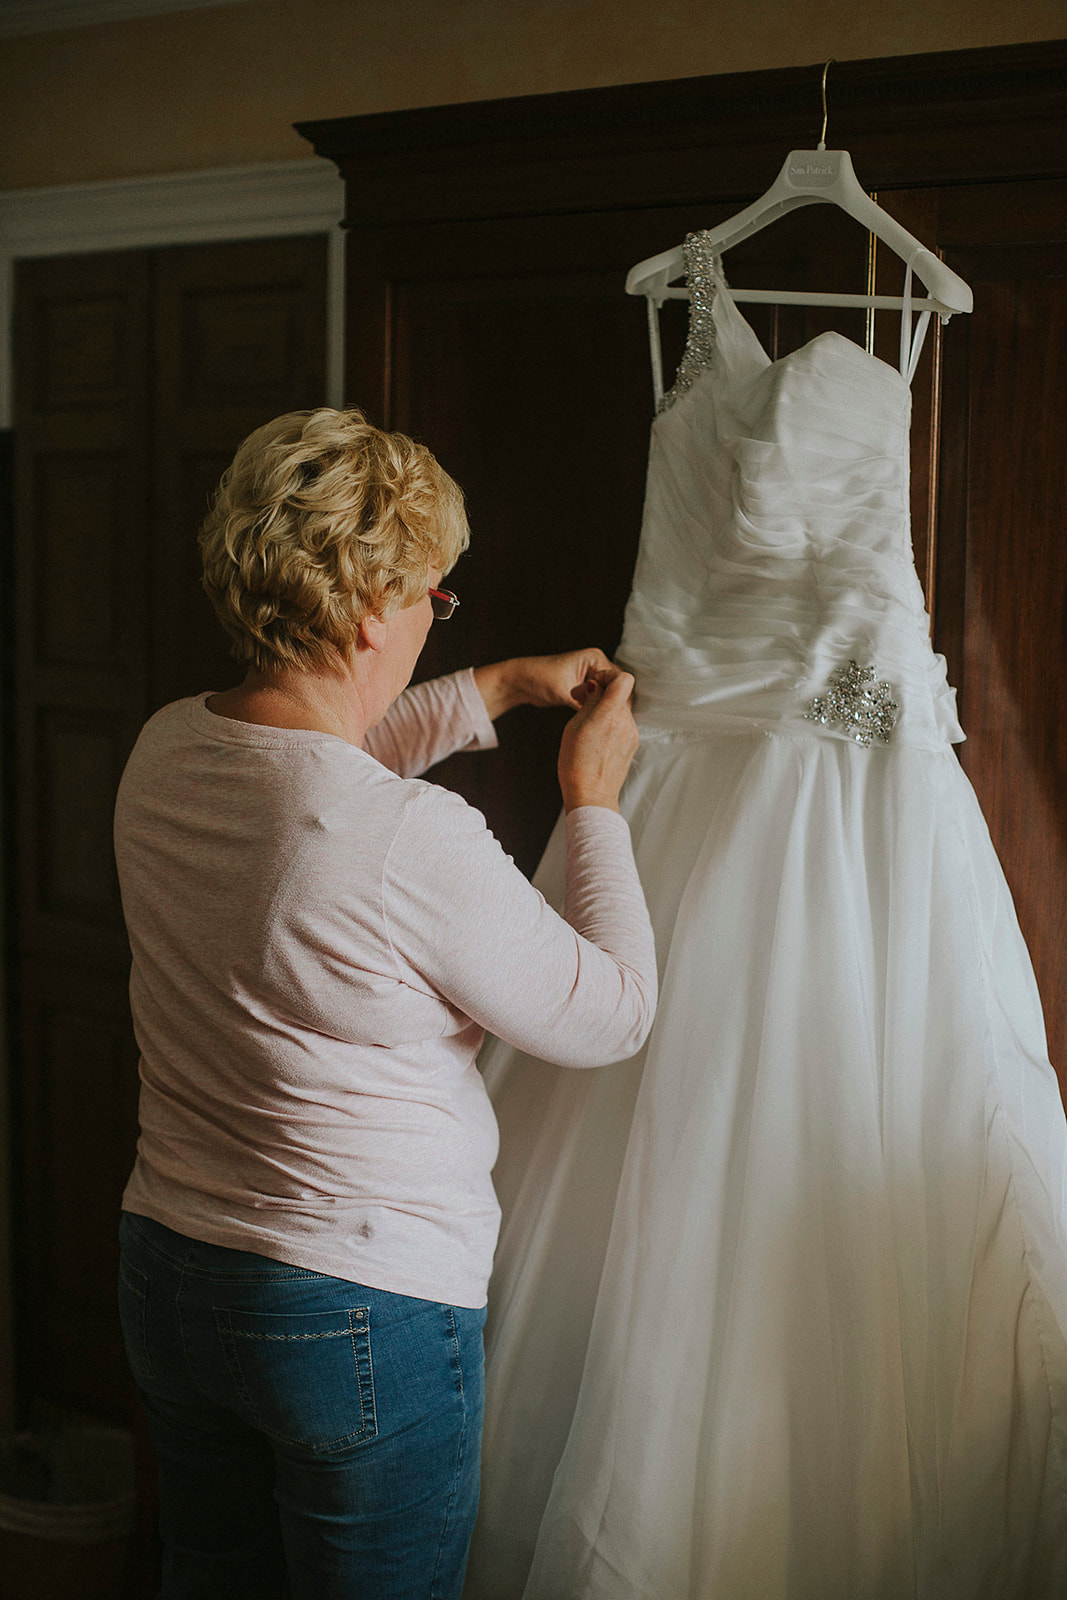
598, 745
569, 679
563, 680
618, 686
595, 680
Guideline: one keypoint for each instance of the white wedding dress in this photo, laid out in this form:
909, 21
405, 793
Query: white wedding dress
780, 1306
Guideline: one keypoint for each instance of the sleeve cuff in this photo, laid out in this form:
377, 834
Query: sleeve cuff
483, 734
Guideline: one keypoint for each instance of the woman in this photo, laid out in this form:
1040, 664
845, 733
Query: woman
319, 941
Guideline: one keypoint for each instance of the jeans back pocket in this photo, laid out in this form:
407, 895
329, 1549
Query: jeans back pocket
303, 1379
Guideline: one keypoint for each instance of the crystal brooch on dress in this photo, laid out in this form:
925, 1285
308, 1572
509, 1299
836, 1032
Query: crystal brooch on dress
857, 703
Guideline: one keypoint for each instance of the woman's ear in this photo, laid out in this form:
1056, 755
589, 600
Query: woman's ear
371, 633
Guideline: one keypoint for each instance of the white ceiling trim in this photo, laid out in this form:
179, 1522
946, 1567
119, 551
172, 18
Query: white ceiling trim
261, 202
283, 197
45, 16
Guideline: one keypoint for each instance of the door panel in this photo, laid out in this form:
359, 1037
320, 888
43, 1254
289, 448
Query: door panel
83, 447
1002, 569
138, 374
77, 1128
240, 338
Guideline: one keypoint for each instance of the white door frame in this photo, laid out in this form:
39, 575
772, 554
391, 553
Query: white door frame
260, 202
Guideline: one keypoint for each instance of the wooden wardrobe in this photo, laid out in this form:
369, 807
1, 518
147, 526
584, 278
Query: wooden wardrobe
487, 250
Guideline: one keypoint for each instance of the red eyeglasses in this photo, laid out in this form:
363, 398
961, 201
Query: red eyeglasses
444, 602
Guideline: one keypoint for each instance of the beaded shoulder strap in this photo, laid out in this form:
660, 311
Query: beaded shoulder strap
699, 352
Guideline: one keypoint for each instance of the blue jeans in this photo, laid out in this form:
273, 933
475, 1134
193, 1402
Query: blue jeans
315, 1438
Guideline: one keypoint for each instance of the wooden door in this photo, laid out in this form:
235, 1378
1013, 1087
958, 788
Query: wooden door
83, 449
137, 375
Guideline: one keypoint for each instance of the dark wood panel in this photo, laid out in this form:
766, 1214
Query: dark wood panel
87, 355
244, 344
79, 1133
82, 436
1002, 562
1002, 215
240, 338
82, 507
1004, 581
553, 540
80, 757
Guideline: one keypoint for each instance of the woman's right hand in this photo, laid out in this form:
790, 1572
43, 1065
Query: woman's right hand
599, 743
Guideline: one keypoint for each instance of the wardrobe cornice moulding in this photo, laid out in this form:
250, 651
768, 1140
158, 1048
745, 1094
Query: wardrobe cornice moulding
23, 17
227, 203
909, 121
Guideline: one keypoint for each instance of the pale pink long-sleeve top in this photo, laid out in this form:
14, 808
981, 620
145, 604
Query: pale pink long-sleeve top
319, 941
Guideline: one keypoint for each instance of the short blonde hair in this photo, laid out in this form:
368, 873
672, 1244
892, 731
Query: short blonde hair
321, 520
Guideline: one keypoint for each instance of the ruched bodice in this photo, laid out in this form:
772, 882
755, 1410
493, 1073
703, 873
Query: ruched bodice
776, 543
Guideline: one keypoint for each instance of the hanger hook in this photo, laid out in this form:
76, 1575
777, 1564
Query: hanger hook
825, 70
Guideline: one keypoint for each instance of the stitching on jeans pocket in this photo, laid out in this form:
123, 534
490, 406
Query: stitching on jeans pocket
270, 1360
133, 1314
457, 1359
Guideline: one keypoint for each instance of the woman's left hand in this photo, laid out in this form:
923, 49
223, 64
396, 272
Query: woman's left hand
561, 680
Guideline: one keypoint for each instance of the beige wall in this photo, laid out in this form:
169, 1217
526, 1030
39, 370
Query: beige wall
220, 87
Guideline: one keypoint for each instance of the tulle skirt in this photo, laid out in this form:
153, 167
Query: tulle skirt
780, 1305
